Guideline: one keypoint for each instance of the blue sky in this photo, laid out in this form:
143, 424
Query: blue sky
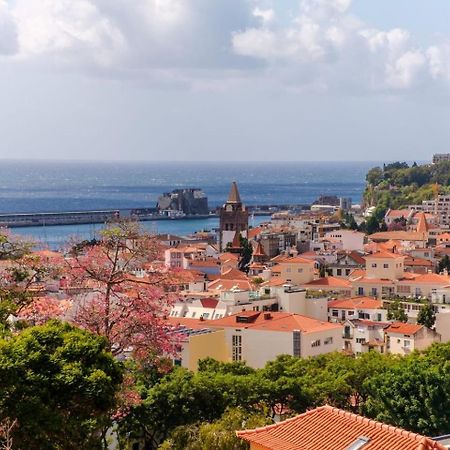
224, 79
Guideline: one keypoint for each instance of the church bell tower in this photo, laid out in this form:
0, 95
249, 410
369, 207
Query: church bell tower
233, 218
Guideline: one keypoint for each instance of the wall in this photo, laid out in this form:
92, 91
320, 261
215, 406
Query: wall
206, 345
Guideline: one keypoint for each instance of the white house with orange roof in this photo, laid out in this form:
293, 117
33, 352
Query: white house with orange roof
259, 337
366, 308
393, 215
404, 338
361, 336
382, 271
295, 270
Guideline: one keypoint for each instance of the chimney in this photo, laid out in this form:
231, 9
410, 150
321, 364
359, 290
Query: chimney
267, 316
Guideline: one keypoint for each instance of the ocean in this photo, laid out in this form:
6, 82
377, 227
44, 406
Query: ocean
38, 186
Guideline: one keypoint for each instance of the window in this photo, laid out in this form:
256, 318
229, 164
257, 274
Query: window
299, 270
360, 291
193, 314
385, 266
315, 343
374, 292
360, 340
347, 272
296, 343
205, 315
335, 313
374, 265
379, 318
237, 347
406, 343
339, 272
350, 313
328, 340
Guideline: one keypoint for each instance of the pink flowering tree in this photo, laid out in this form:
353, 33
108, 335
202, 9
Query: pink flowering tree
23, 275
116, 298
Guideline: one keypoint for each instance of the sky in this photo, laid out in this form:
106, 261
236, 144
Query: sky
216, 80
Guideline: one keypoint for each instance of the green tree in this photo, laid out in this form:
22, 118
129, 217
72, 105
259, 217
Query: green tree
444, 264
59, 383
220, 434
372, 224
414, 395
427, 316
396, 312
246, 253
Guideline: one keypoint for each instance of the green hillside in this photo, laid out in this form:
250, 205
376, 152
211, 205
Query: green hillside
398, 185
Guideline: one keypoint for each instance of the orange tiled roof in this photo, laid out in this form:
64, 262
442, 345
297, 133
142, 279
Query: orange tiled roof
329, 282
397, 213
397, 235
384, 255
356, 302
291, 260
253, 232
227, 256
410, 261
233, 274
278, 321
403, 328
422, 225
221, 284
432, 278
328, 428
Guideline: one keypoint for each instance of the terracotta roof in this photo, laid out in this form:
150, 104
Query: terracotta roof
226, 285
422, 225
227, 256
397, 235
432, 278
253, 232
398, 213
233, 274
409, 261
195, 324
259, 251
275, 282
384, 255
355, 303
236, 240
233, 196
204, 263
330, 282
274, 321
403, 328
328, 428
292, 260
209, 302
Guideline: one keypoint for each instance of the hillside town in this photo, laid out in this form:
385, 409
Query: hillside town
302, 284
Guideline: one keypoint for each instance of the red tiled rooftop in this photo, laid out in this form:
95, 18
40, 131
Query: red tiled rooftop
356, 302
209, 302
384, 255
403, 328
328, 428
273, 321
329, 282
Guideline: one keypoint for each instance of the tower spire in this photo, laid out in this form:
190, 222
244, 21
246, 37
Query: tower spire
234, 196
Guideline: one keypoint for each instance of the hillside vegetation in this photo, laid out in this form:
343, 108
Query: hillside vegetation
398, 185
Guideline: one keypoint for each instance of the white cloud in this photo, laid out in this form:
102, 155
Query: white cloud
325, 40
195, 41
